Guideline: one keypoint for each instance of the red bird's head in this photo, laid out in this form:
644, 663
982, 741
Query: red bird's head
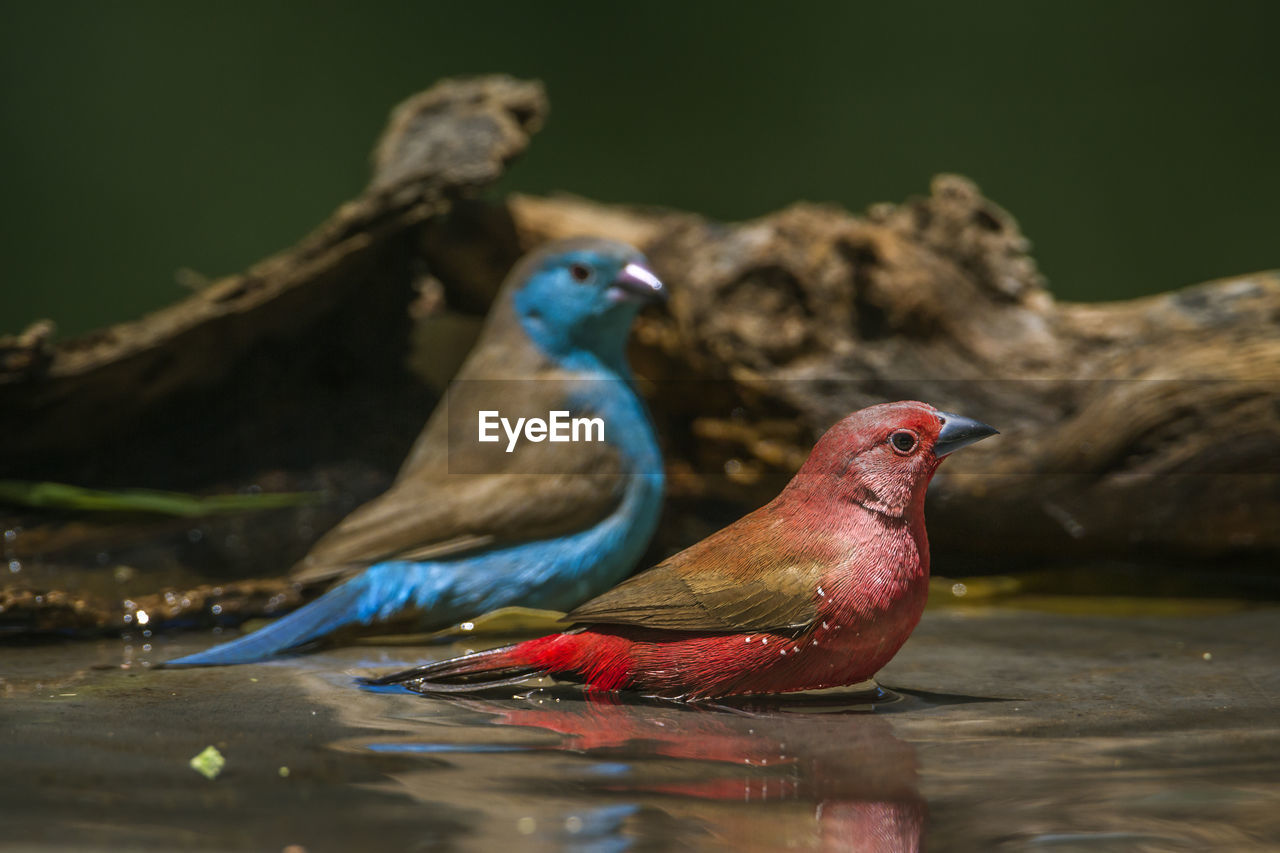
883, 457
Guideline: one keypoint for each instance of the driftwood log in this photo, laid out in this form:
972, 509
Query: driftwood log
1145, 429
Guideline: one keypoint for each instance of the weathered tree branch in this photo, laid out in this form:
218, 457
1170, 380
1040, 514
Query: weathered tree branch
323, 311
1131, 429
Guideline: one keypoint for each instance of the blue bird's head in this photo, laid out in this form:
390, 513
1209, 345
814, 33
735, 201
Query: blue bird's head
580, 295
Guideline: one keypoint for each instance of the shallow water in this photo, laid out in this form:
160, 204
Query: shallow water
1006, 729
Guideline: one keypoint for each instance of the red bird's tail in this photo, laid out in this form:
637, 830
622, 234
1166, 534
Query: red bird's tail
500, 667
602, 660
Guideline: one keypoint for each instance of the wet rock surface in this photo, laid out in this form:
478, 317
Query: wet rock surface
1015, 729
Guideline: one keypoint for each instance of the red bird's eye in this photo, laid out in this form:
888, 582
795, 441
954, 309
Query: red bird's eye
903, 441
581, 272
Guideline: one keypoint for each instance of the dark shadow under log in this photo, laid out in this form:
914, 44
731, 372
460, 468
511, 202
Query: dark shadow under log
1140, 429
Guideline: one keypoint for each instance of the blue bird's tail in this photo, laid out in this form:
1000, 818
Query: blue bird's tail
337, 608
437, 595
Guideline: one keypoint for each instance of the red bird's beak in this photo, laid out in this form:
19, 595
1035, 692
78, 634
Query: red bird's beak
637, 283
959, 431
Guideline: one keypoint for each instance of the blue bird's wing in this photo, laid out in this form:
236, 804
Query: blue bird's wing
463, 497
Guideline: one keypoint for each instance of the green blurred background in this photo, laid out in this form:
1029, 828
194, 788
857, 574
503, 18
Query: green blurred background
1135, 142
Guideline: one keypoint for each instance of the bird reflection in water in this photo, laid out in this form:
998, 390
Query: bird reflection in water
814, 772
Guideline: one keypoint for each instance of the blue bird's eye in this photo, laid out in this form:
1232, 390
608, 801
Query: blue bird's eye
581, 273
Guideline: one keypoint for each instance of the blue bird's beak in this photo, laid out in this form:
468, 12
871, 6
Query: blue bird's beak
959, 431
637, 283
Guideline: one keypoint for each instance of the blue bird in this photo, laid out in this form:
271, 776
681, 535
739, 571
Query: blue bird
470, 526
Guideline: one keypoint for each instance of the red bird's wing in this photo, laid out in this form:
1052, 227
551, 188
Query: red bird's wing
731, 582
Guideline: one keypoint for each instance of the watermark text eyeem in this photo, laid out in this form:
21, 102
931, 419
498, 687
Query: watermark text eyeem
558, 426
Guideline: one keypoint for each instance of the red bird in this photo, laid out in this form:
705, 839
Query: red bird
818, 588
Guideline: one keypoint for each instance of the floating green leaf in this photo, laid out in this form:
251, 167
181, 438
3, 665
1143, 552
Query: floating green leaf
209, 763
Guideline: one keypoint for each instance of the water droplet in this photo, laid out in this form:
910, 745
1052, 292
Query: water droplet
1207, 656
573, 824
468, 626
10, 535
15, 566
194, 535
143, 618
959, 590
216, 609
526, 825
